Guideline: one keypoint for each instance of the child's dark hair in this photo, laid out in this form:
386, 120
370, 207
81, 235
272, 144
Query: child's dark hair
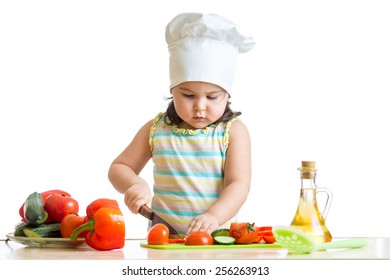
172, 118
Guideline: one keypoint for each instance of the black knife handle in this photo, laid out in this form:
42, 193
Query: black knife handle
146, 212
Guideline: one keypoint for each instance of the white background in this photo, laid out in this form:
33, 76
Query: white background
79, 78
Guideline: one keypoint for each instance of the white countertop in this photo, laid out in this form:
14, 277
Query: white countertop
378, 248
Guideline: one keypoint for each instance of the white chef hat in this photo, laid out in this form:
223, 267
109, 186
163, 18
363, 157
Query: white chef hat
204, 47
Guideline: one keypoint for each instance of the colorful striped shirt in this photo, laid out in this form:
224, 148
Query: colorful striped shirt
188, 169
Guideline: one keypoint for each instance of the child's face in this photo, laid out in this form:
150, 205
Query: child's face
199, 104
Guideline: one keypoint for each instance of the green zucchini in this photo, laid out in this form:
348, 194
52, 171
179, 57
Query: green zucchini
19, 229
44, 230
34, 210
30, 233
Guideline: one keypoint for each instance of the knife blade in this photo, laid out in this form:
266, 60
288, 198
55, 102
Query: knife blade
152, 216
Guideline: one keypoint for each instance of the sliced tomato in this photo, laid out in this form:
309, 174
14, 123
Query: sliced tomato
244, 233
158, 235
199, 238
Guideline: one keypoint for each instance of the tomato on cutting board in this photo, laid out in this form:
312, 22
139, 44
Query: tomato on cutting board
158, 235
199, 238
244, 233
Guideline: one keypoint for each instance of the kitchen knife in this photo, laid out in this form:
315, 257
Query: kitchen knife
152, 216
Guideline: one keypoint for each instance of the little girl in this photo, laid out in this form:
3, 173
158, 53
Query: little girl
200, 150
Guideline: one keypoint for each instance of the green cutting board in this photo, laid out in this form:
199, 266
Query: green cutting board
188, 247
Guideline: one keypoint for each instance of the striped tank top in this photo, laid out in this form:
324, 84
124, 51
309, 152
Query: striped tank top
188, 169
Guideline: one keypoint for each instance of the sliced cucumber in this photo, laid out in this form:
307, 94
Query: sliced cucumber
30, 233
220, 232
224, 240
44, 230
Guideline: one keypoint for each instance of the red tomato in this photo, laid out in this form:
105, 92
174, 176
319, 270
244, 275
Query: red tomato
59, 205
69, 223
199, 238
244, 233
158, 235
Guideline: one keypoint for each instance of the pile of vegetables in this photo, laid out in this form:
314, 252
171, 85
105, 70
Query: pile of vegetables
238, 233
55, 213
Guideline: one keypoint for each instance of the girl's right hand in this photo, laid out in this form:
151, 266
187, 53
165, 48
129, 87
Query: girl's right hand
136, 196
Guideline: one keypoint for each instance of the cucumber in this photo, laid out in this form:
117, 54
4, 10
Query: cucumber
19, 229
224, 240
220, 232
29, 233
44, 230
34, 210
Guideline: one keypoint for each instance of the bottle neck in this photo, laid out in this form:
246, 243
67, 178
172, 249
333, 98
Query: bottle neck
308, 180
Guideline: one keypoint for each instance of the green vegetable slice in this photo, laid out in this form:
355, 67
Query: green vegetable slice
30, 233
224, 240
220, 232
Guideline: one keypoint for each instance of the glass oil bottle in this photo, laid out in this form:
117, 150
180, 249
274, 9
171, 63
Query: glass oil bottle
308, 218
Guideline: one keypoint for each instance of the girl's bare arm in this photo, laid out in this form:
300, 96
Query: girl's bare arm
124, 170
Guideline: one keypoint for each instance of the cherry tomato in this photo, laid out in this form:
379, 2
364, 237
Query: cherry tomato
244, 233
69, 223
59, 205
158, 235
199, 238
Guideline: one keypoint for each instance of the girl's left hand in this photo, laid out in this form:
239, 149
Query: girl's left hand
205, 222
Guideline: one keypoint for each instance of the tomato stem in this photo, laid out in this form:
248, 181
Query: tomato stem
250, 227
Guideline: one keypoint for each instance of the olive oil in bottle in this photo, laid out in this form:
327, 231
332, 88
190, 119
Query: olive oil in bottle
308, 218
